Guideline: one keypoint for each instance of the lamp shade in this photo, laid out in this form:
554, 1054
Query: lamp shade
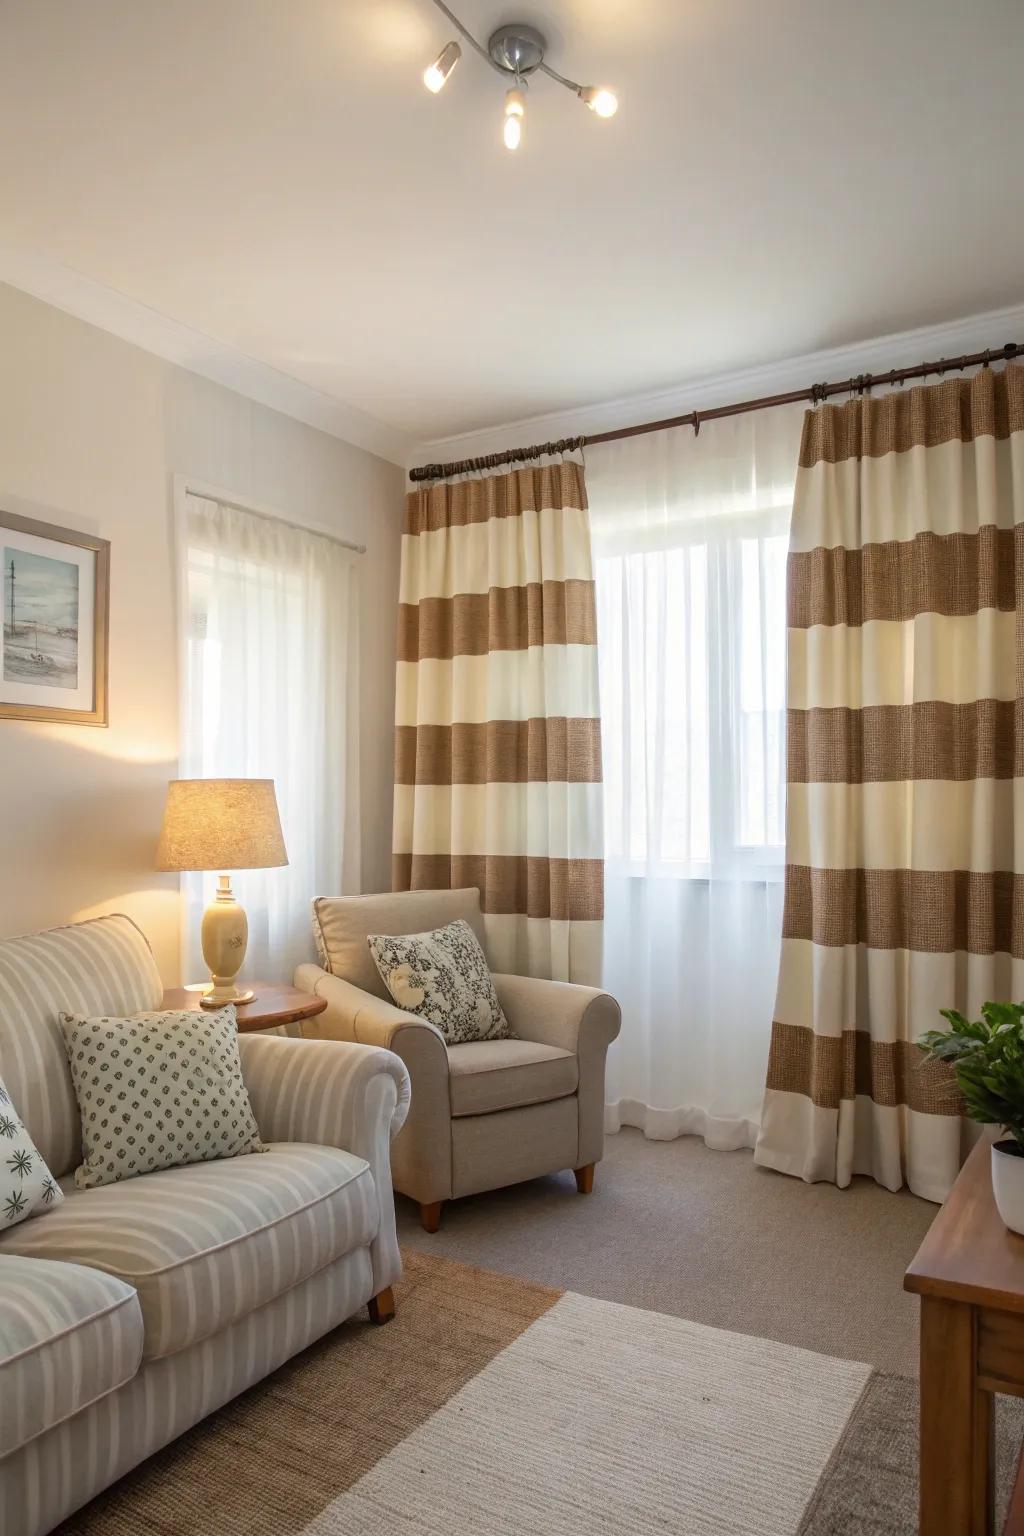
221, 824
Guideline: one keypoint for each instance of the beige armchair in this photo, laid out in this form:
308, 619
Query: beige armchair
483, 1114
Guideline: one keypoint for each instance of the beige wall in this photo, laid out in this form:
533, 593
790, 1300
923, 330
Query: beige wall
91, 432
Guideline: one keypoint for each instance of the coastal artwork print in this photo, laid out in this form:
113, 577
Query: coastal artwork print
53, 642
40, 620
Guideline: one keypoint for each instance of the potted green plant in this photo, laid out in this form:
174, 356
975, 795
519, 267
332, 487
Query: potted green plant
987, 1057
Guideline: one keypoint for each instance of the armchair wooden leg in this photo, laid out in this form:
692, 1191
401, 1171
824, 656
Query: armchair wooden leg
430, 1215
585, 1178
382, 1306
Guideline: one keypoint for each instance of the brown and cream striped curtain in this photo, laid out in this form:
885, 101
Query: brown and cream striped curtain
498, 743
905, 854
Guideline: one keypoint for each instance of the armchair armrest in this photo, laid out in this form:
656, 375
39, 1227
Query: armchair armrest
421, 1158
337, 1095
558, 1013
583, 1020
352, 1014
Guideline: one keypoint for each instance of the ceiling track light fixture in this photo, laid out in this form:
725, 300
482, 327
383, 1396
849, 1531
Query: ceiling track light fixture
515, 51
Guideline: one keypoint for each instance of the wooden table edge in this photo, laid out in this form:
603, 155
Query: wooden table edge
968, 1255
250, 1017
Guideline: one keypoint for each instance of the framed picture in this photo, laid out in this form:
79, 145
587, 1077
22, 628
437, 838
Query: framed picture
56, 598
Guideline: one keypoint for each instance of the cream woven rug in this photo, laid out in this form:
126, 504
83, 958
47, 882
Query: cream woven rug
605, 1418
494, 1407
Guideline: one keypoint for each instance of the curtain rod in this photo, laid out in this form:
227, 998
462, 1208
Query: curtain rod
814, 393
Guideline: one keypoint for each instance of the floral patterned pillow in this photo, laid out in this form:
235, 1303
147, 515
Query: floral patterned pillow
442, 976
26, 1184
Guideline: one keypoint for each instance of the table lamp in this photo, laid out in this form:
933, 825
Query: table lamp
222, 824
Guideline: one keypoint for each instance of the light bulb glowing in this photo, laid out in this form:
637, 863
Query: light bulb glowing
435, 76
604, 102
515, 107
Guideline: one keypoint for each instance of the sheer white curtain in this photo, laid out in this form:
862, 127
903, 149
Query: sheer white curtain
690, 536
270, 684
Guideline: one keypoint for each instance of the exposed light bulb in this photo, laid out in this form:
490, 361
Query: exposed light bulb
604, 102
515, 107
435, 76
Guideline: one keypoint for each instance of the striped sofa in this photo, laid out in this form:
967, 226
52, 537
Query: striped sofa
129, 1312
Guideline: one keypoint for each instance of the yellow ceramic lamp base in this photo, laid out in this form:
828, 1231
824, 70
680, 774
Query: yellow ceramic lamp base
225, 934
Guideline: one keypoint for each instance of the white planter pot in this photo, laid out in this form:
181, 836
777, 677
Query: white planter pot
1008, 1185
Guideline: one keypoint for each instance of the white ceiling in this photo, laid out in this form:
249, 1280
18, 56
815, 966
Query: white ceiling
783, 176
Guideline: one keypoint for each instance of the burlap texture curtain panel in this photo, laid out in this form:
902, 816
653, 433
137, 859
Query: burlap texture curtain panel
498, 741
905, 838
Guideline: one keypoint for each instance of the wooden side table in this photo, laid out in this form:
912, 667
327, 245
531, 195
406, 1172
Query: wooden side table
272, 1006
969, 1274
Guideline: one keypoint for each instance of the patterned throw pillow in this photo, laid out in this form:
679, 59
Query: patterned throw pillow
26, 1184
157, 1090
442, 976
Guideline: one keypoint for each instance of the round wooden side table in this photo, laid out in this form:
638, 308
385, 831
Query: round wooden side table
273, 1005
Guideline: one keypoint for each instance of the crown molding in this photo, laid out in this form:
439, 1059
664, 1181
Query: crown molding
901, 349
106, 308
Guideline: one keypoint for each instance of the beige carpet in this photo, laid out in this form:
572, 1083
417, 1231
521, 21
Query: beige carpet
707, 1236
496, 1407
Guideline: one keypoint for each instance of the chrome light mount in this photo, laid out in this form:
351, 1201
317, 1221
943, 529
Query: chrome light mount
517, 49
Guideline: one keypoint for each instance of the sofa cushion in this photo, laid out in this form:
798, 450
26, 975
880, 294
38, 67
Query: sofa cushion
486, 1075
158, 1090
342, 927
102, 966
206, 1244
68, 1336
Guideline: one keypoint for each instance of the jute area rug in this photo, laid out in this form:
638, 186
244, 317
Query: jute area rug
494, 1407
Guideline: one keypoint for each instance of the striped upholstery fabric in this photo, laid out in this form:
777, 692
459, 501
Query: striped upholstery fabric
905, 864
498, 740
332, 1093
68, 1336
103, 966
57, 1472
205, 1244
269, 1251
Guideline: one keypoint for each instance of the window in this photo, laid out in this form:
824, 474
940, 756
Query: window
269, 681
692, 656
690, 540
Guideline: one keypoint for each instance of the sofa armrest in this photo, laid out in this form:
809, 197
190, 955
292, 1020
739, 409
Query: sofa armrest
336, 1095
421, 1159
583, 1020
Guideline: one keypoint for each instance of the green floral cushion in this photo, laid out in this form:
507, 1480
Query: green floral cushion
158, 1090
442, 976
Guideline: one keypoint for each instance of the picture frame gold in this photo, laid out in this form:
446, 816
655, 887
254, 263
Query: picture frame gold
39, 656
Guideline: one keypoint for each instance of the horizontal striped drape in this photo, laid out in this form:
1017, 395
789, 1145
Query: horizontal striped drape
498, 738
905, 871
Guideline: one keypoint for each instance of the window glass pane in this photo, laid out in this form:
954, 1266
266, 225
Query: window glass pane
693, 664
